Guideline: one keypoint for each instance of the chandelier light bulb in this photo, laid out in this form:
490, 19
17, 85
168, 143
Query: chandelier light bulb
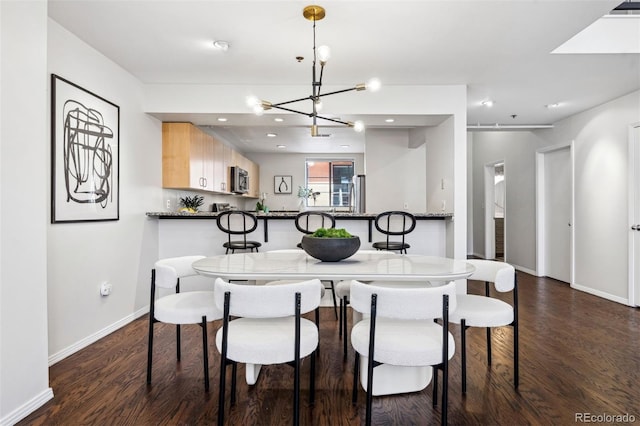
318, 103
324, 53
358, 126
252, 101
374, 84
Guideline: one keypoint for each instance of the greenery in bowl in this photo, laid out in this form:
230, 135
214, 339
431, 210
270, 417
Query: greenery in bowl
331, 233
191, 204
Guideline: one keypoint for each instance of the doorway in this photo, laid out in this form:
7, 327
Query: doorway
634, 215
494, 211
554, 212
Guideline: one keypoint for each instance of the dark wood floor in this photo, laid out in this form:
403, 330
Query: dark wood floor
579, 354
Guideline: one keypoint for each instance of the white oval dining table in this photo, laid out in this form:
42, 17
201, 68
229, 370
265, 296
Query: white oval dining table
366, 265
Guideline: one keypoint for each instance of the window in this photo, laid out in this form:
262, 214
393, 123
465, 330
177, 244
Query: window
329, 182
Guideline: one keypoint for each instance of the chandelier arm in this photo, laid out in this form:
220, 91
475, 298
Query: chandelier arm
338, 91
292, 110
293, 101
319, 84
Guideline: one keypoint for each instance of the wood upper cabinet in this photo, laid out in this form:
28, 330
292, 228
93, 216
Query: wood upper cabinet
187, 157
193, 159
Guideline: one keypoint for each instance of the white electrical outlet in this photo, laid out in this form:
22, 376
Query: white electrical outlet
406, 206
168, 204
105, 288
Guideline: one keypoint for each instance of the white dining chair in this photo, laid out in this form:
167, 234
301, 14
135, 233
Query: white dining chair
266, 329
188, 307
400, 330
488, 312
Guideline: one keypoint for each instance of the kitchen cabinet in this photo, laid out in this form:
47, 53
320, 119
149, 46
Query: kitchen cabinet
193, 159
187, 157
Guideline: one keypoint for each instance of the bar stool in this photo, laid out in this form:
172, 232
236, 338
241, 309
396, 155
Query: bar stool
235, 222
391, 224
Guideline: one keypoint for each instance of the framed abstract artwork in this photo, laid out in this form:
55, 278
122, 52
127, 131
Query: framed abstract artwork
282, 184
85, 139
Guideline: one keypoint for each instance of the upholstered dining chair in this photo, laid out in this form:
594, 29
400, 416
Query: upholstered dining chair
267, 328
486, 311
238, 224
189, 307
394, 224
400, 330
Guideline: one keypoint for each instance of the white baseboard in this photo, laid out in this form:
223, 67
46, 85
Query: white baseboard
27, 408
602, 294
525, 270
70, 350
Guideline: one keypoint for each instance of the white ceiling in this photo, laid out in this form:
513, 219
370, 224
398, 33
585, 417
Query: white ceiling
500, 49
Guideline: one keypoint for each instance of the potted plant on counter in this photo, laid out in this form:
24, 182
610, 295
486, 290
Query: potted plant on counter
191, 204
330, 245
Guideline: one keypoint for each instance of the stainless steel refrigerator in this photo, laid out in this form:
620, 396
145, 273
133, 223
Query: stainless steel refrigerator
358, 198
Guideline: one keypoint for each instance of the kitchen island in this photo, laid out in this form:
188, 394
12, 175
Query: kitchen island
196, 233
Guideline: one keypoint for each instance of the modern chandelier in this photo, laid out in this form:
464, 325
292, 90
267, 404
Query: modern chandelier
321, 55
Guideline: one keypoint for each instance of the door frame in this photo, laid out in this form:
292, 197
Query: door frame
540, 209
634, 176
489, 210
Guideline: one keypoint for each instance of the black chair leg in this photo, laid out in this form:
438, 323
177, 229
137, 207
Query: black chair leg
488, 346
340, 320
434, 386
150, 349
463, 360
356, 370
516, 367
205, 353
312, 379
234, 371
344, 327
335, 303
178, 342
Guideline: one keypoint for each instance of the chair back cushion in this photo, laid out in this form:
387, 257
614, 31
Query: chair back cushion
501, 274
268, 301
237, 222
403, 303
395, 223
308, 222
169, 270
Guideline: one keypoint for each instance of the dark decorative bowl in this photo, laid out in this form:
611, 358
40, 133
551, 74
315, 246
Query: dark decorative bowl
330, 249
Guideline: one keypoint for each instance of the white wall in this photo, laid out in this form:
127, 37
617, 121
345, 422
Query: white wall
517, 149
24, 376
294, 166
83, 255
395, 172
600, 138
440, 167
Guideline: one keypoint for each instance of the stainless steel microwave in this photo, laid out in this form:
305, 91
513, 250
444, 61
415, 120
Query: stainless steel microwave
239, 180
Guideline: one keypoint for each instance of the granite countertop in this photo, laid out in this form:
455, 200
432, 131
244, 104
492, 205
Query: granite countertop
287, 215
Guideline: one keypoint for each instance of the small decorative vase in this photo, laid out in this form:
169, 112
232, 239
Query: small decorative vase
302, 205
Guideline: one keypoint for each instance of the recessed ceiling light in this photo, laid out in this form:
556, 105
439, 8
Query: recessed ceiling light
555, 105
345, 146
222, 119
221, 45
278, 119
281, 146
272, 135
488, 103
389, 120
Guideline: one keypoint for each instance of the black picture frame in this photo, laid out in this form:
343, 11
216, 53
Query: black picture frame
85, 154
282, 184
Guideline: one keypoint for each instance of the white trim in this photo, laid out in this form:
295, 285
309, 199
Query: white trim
70, 350
634, 176
525, 270
540, 209
27, 408
602, 294
489, 210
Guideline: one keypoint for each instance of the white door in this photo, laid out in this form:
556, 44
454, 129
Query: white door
634, 229
557, 213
